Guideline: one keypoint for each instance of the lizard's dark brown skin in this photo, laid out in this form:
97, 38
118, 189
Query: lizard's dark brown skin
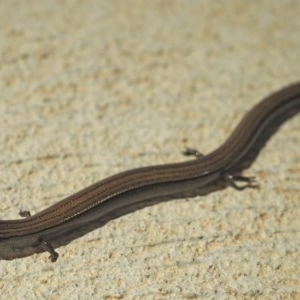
125, 192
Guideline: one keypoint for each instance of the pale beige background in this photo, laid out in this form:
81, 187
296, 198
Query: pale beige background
90, 88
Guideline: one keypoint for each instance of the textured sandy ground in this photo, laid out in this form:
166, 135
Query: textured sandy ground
90, 88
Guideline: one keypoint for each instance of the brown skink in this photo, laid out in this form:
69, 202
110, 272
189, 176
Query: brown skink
127, 191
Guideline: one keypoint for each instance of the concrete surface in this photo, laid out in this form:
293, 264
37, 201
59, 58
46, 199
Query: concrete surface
91, 88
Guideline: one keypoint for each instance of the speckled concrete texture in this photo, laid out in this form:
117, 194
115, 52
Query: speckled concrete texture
92, 88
